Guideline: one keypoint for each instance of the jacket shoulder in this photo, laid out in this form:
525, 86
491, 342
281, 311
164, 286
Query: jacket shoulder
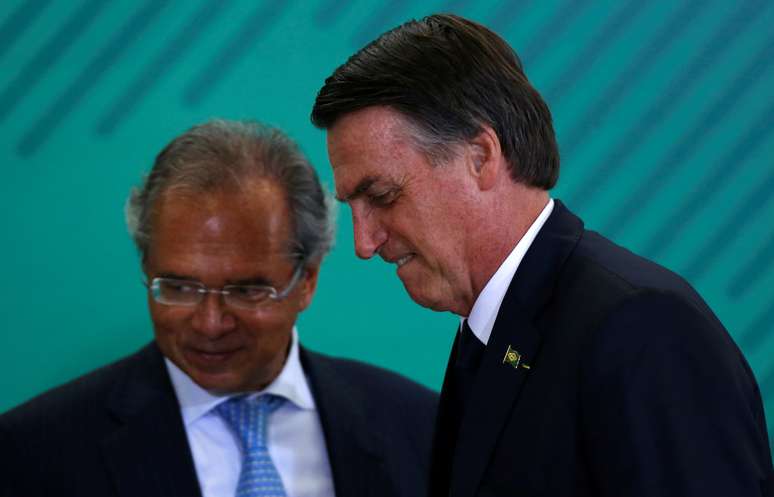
78, 399
376, 384
390, 415
604, 275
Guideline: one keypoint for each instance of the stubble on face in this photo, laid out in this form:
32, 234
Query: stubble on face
404, 208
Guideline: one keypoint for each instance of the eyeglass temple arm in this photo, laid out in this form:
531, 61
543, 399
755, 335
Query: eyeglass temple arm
293, 281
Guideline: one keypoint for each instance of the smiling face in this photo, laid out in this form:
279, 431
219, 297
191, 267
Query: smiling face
221, 238
406, 210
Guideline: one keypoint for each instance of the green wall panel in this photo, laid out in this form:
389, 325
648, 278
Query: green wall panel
664, 111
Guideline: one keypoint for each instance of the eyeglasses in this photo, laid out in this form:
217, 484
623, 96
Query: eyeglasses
171, 291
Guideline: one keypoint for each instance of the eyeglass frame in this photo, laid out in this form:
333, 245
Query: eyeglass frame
202, 290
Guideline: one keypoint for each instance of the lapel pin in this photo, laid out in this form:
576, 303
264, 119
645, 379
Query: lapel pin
513, 358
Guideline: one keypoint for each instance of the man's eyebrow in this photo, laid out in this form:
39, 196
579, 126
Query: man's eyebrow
364, 185
176, 276
252, 280
255, 280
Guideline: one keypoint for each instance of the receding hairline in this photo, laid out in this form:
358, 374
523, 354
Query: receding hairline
222, 155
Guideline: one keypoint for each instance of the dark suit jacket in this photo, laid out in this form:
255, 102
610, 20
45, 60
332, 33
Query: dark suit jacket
118, 432
634, 387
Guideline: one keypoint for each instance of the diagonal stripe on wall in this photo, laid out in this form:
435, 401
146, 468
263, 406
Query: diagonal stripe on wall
18, 22
506, 15
383, 18
328, 12
748, 275
161, 64
37, 66
662, 105
760, 329
67, 101
639, 64
232, 51
678, 154
705, 258
548, 34
613, 27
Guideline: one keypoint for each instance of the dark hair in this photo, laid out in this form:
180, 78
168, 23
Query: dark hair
449, 76
226, 154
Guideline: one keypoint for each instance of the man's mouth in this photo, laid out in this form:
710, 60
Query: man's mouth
403, 260
211, 357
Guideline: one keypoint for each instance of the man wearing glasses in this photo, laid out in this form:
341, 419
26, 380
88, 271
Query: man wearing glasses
231, 224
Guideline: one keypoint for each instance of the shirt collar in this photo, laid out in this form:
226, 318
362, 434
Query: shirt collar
487, 305
291, 384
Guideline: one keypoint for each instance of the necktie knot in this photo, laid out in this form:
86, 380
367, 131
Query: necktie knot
470, 349
247, 418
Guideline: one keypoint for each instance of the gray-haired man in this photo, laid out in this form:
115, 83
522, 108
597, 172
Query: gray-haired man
232, 225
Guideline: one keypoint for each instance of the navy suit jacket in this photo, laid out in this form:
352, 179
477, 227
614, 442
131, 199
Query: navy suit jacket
634, 387
118, 432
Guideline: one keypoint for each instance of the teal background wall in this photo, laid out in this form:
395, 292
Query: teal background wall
664, 112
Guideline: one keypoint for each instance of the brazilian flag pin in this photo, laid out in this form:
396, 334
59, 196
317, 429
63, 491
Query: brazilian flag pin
513, 358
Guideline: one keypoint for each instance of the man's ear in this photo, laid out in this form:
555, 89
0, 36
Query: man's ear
485, 158
308, 285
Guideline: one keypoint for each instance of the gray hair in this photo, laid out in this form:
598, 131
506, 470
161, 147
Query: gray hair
220, 154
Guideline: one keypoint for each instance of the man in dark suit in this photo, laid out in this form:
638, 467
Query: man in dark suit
580, 369
232, 225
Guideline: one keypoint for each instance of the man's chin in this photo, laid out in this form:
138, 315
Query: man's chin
227, 381
436, 299
215, 383
217, 379
425, 298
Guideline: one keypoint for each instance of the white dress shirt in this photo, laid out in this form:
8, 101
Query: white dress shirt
484, 312
295, 437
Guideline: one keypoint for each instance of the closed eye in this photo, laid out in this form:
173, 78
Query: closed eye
249, 292
178, 286
384, 199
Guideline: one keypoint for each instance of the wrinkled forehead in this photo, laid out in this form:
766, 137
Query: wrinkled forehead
367, 145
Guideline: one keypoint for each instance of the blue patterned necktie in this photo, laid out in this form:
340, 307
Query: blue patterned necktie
247, 418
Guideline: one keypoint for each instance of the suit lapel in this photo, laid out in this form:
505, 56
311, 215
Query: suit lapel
498, 384
149, 454
352, 448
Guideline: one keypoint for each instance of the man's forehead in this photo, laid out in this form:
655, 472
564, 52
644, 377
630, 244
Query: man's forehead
371, 125
364, 146
250, 214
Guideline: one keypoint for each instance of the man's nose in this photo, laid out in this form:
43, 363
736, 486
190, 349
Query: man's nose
370, 235
212, 317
